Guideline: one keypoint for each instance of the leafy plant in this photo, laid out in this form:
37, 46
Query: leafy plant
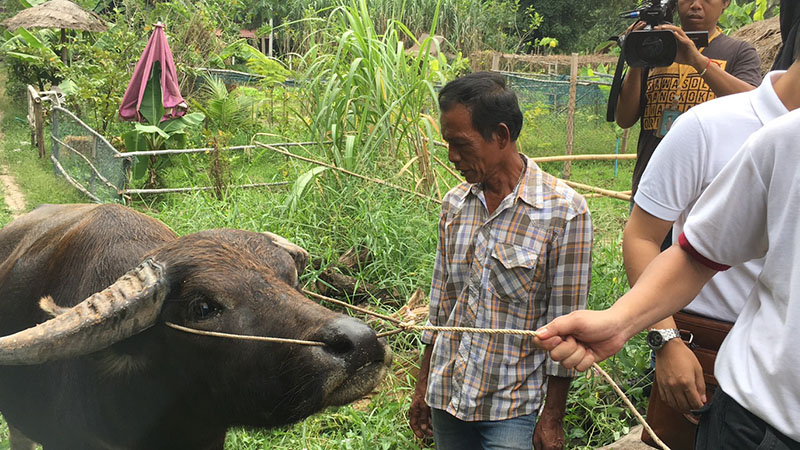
95, 81
156, 133
31, 59
736, 16
223, 110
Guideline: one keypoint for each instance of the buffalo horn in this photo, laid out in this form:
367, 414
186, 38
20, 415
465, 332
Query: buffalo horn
125, 308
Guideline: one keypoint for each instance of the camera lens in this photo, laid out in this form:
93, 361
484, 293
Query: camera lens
650, 48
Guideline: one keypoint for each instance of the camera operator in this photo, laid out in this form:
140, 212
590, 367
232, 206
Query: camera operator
658, 95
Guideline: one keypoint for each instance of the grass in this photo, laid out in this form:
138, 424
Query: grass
337, 213
33, 175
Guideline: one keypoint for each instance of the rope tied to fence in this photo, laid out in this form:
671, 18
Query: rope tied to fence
403, 326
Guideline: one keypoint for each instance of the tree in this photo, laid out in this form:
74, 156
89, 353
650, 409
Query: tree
580, 26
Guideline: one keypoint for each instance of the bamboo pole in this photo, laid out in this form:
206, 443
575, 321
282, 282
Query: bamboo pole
606, 192
71, 181
201, 188
559, 158
601, 157
347, 172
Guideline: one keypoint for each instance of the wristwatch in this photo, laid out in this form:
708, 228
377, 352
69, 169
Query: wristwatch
658, 338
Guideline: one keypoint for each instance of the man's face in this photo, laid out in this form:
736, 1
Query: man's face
700, 15
471, 154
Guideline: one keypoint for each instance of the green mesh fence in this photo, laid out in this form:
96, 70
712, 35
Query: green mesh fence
544, 101
86, 159
553, 91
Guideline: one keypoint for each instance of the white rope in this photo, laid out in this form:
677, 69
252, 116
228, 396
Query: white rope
242, 336
406, 326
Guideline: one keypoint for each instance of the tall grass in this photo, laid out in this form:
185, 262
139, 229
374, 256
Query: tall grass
468, 25
368, 97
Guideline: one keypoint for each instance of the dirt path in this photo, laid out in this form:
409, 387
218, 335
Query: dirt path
11, 192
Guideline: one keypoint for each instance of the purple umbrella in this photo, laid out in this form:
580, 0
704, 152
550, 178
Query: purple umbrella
156, 51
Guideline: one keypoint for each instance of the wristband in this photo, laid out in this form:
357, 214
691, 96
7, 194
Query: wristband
706, 68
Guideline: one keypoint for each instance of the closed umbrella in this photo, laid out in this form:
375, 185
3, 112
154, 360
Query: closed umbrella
157, 54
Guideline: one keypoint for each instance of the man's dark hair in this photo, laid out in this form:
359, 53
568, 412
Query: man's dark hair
488, 101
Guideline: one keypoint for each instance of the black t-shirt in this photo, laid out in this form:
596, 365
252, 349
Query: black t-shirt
736, 57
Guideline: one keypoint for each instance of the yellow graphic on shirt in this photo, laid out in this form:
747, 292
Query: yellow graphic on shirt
663, 87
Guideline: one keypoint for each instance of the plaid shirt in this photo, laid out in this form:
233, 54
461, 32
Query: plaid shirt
520, 267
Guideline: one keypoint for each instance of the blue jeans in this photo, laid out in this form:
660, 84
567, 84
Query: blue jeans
451, 433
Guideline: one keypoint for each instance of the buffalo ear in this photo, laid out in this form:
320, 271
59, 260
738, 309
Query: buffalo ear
298, 254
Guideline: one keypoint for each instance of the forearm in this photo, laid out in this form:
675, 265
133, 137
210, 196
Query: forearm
556, 400
424, 368
667, 323
637, 253
628, 104
668, 284
720, 81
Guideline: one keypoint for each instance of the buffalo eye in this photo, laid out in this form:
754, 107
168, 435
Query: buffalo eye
203, 309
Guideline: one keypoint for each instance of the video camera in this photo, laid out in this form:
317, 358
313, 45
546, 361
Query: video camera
654, 48
648, 47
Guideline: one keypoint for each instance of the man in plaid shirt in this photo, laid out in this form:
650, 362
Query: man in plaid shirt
514, 253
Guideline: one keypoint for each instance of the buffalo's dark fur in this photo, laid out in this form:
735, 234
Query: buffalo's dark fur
165, 389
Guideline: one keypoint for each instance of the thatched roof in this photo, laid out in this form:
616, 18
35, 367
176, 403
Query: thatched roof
765, 36
56, 14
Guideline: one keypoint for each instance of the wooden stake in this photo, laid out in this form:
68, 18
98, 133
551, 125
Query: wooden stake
573, 89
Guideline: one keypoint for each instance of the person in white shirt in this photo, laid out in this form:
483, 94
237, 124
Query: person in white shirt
751, 210
700, 143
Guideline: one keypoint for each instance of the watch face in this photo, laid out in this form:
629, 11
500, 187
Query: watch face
655, 339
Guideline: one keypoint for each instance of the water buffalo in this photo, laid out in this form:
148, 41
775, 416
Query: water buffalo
87, 361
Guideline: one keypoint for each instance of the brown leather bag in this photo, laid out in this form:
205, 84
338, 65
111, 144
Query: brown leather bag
704, 337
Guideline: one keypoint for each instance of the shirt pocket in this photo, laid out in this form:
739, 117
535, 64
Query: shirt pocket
513, 272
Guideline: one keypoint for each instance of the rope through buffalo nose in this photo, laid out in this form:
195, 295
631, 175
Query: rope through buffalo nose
242, 336
407, 326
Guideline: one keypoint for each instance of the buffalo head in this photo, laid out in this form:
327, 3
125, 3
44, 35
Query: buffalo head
161, 383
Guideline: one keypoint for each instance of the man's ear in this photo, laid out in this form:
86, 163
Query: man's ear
502, 134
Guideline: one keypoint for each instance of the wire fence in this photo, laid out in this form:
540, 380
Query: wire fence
93, 166
551, 102
86, 159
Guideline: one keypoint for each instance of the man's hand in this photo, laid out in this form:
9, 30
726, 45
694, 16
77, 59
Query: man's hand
581, 338
419, 416
549, 432
635, 26
680, 377
687, 52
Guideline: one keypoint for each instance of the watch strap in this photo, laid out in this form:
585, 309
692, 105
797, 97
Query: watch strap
670, 333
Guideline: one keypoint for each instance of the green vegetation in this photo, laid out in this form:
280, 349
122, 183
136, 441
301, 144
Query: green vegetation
372, 104
338, 213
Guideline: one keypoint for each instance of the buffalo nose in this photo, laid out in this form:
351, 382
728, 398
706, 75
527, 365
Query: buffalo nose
352, 340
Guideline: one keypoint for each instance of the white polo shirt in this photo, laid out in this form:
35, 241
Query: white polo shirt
690, 156
752, 210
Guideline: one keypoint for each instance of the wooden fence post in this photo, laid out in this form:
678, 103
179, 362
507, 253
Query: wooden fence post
573, 90
624, 146
39, 125
36, 119
495, 61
